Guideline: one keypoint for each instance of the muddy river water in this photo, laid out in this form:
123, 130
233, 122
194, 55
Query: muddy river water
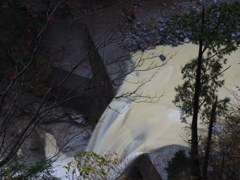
130, 127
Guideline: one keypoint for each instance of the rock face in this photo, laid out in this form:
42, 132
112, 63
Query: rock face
161, 156
67, 126
152, 165
142, 168
74, 55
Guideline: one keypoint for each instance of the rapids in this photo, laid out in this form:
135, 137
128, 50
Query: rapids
130, 127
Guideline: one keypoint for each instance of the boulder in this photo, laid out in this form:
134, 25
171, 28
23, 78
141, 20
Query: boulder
162, 57
186, 40
161, 156
151, 166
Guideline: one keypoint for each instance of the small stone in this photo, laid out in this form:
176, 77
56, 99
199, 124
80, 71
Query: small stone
122, 30
138, 24
140, 34
140, 4
127, 42
161, 29
162, 57
162, 21
148, 39
134, 48
153, 32
200, 2
142, 46
186, 40
177, 31
150, 47
130, 18
133, 31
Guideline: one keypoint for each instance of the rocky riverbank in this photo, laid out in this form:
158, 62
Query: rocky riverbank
144, 25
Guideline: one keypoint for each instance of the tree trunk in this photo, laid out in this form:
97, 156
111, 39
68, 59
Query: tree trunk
194, 141
208, 146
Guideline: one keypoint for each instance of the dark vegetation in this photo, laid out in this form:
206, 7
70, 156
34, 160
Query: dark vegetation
198, 98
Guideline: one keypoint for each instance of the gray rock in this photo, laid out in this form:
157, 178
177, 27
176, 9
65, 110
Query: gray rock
142, 40
161, 156
142, 46
200, 2
140, 4
161, 29
122, 30
150, 47
139, 33
153, 31
186, 40
146, 34
181, 36
162, 57
134, 48
149, 27
130, 18
148, 39
138, 24
162, 21
133, 31
130, 42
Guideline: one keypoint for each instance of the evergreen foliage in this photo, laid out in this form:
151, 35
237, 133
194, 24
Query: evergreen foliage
215, 27
178, 166
211, 71
17, 169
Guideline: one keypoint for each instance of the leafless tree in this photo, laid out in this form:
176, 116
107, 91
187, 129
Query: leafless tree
44, 75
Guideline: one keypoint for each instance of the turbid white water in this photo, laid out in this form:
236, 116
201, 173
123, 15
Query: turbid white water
52, 152
141, 127
130, 128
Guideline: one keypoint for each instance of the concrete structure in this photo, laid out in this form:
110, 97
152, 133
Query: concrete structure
79, 74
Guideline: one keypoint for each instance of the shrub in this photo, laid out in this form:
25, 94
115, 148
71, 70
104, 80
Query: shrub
17, 169
179, 166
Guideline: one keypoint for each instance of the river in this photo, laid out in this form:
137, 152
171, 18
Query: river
142, 127
131, 128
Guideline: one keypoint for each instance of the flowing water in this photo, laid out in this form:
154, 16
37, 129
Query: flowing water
52, 151
129, 127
